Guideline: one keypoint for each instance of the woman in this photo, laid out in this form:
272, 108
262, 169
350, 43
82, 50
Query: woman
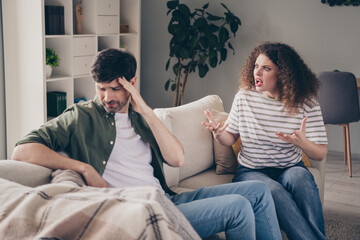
276, 114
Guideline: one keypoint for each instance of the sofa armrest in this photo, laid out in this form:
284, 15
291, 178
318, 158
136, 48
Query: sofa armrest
320, 166
24, 173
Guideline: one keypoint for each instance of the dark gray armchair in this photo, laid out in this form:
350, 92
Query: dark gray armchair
339, 102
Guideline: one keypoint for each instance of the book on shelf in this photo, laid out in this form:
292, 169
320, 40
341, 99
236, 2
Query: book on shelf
56, 103
54, 20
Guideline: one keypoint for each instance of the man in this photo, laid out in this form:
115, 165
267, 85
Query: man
116, 140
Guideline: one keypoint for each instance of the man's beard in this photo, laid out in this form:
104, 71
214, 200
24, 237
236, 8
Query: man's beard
115, 106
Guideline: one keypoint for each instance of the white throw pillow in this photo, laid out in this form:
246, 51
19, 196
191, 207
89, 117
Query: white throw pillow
185, 123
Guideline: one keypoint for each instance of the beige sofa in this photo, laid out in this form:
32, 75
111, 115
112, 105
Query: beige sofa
200, 152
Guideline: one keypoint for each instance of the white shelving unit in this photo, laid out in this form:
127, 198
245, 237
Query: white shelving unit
25, 43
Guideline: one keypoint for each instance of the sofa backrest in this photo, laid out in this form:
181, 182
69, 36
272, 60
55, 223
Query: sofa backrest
185, 123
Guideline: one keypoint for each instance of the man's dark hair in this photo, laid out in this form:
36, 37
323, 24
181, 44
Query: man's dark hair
111, 64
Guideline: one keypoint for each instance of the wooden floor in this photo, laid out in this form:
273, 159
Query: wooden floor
342, 193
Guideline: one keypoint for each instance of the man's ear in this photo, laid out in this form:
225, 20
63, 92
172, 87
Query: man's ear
133, 81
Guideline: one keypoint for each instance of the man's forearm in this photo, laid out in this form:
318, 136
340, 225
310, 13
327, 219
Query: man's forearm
41, 155
170, 147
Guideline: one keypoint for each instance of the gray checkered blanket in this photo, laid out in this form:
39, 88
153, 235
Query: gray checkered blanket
66, 209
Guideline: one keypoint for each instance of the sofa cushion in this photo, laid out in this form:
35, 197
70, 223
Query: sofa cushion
205, 179
185, 123
24, 173
225, 158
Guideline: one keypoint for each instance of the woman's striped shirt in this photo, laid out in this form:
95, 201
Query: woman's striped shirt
257, 118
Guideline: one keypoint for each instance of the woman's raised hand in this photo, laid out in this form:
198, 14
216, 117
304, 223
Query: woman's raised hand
216, 128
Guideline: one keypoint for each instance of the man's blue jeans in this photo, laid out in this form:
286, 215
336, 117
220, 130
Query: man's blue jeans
296, 199
244, 210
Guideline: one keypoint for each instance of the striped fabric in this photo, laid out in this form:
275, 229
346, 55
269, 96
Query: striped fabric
257, 118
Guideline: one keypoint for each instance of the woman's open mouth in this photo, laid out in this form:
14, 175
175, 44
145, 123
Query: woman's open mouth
258, 82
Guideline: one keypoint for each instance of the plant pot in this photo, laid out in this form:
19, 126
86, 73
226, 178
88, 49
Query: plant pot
48, 69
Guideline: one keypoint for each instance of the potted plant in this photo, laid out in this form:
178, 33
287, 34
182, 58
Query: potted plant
199, 40
52, 60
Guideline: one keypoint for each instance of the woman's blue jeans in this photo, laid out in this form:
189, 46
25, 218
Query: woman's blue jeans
244, 210
296, 199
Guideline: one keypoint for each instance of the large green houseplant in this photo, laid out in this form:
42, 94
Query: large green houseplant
199, 40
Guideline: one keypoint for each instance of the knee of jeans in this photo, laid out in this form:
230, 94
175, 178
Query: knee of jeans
235, 201
297, 177
277, 190
240, 206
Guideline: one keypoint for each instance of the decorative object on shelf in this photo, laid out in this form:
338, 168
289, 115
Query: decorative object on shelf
341, 2
52, 60
124, 28
56, 103
54, 20
199, 39
79, 13
48, 70
79, 100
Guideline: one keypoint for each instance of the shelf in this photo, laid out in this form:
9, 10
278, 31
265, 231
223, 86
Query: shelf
26, 36
58, 36
55, 78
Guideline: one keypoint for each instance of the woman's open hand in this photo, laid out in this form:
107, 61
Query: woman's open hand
216, 128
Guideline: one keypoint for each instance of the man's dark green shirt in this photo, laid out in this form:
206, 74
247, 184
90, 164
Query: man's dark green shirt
87, 132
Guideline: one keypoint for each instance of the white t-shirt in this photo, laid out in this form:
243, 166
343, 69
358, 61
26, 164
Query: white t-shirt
257, 118
129, 161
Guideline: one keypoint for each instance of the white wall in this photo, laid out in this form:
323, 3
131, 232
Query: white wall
2, 96
23, 42
326, 37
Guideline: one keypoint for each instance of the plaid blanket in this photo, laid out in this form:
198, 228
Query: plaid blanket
66, 209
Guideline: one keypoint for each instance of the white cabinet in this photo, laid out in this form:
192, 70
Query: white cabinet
108, 24
108, 7
25, 42
84, 46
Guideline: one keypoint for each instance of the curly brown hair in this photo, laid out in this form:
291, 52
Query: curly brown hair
297, 84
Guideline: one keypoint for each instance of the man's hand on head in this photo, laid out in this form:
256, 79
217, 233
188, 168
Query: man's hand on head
137, 101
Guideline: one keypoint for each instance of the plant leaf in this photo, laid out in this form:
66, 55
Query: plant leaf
213, 28
203, 58
225, 7
167, 64
204, 41
213, 17
223, 35
167, 84
200, 23
173, 87
183, 53
223, 54
203, 69
206, 6
213, 40
212, 53
234, 27
193, 42
213, 61
231, 47
175, 68
172, 4
185, 10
